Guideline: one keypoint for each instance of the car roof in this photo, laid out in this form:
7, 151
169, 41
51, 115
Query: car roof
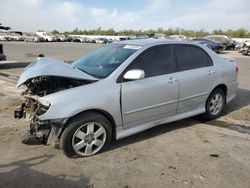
152, 42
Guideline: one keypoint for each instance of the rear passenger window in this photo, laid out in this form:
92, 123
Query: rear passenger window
154, 61
191, 57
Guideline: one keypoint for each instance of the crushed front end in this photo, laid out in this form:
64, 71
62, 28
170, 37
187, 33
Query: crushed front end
46, 76
43, 131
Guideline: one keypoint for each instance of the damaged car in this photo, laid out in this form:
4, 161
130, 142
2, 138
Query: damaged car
121, 89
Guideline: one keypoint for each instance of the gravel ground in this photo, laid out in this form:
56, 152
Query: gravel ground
187, 153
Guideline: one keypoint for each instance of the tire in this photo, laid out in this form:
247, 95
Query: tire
215, 104
86, 135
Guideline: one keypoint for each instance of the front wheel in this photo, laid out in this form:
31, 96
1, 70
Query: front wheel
86, 135
215, 104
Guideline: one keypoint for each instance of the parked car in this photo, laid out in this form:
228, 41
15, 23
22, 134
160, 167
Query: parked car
101, 40
33, 38
68, 38
16, 35
4, 36
84, 39
2, 55
78, 39
135, 37
215, 46
239, 45
121, 89
91, 40
245, 48
61, 38
124, 38
138, 36
177, 37
224, 40
47, 36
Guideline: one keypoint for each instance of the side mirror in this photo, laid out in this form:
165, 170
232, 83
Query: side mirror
135, 74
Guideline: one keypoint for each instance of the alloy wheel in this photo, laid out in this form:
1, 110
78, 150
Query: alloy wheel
89, 138
216, 104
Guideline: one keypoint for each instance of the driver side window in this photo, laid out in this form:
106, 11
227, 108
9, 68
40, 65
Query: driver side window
155, 61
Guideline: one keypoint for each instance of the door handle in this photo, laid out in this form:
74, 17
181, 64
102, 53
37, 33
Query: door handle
172, 80
210, 72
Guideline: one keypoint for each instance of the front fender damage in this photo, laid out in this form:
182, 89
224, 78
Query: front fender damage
33, 106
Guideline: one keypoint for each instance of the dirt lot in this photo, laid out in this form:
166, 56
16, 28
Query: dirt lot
187, 153
27, 51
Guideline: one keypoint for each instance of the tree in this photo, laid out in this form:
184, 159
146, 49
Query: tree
54, 32
243, 33
75, 31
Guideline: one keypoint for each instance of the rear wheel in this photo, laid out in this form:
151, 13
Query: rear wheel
86, 135
215, 104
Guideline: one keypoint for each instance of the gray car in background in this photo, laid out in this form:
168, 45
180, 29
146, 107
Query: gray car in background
121, 89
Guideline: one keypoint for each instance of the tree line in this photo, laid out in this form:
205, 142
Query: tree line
238, 33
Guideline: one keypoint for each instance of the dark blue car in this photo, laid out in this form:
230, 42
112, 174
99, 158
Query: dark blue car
215, 46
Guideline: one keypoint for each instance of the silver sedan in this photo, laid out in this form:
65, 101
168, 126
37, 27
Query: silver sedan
121, 89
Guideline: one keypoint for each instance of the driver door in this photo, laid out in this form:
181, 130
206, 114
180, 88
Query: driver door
155, 96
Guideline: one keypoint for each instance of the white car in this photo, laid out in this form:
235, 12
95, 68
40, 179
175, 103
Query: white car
4, 36
33, 38
48, 37
177, 37
16, 36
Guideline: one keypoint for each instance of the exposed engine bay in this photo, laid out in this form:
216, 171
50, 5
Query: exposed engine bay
45, 85
33, 106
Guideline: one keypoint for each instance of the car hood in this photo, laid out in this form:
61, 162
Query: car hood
52, 67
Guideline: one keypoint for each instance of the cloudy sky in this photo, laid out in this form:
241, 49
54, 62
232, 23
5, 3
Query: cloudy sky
32, 15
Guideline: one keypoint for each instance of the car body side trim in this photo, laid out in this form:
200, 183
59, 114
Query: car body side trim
122, 133
150, 107
193, 96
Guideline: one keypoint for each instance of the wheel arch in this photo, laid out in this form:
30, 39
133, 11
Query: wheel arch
223, 87
207, 115
104, 113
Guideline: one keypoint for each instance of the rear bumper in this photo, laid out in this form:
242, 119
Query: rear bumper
232, 89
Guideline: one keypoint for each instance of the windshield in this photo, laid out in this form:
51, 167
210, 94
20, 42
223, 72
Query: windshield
103, 61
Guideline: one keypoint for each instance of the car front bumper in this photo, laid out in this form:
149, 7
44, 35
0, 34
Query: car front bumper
46, 131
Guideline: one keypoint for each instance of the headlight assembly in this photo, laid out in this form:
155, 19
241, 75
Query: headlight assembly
44, 102
43, 107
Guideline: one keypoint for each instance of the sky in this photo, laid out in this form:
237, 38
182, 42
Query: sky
66, 15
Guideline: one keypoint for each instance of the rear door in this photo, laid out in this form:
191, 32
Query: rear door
197, 76
155, 96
